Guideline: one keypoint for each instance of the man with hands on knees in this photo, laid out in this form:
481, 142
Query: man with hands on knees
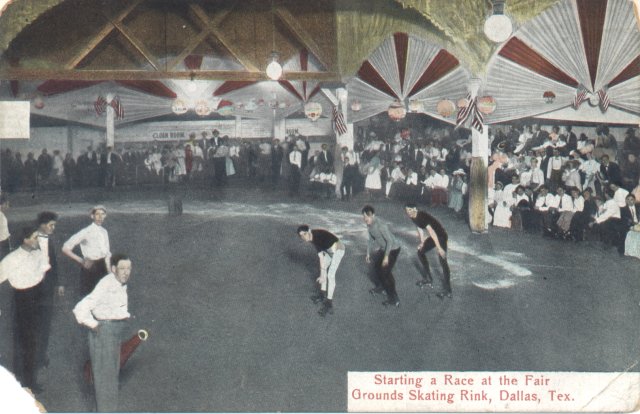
104, 311
432, 234
330, 252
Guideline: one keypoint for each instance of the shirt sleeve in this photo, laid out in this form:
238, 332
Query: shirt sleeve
369, 244
82, 310
74, 240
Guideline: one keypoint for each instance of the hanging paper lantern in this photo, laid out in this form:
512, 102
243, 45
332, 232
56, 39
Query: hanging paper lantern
38, 102
549, 97
397, 111
445, 108
356, 106
416, 106
179, 107
313, 110
260, 102
594, 99
202, 108
487, 104
282, 105
226, 110
462, 103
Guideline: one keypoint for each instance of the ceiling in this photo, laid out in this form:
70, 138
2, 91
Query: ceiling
71, 53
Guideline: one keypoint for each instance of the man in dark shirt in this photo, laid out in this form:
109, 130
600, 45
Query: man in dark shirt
330, 252
431, 234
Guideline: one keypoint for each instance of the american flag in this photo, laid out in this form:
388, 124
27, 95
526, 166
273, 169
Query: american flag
117, 107
478, 119
339, 125
100, 105
463, 113
604, 98
581, 96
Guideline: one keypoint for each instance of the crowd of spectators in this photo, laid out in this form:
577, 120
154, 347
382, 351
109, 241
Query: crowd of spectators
552, 182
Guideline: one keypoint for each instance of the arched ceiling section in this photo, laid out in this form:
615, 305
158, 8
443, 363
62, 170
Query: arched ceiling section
406, 68
149, 39
585, 52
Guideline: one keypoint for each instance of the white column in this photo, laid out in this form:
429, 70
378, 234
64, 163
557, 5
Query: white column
478, 176
111, 124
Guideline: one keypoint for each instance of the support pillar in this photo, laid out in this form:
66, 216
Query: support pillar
111, 122
478, 181
478, 174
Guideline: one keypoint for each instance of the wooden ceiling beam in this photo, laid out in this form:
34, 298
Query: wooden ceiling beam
301, 34
101, 35
105, 75
219, 35
136, 44
195, 42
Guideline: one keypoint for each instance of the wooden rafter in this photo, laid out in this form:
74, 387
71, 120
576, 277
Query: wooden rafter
104, 75
301, 34
101, 35
139, 46
195, 42
222, 38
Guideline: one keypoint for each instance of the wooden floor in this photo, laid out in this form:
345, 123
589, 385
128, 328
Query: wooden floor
224, 292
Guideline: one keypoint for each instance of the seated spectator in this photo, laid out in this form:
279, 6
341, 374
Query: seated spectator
608, 223
571, 175
630, 171
630, 216
521, 210
619, 194
502, 213
581, 219
544, 203
568, 210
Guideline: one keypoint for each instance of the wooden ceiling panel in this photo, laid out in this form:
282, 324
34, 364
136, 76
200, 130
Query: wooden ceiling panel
114, 52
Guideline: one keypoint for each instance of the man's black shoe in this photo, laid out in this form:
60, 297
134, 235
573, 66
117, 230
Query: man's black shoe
316, 298
391, 303
326, 308
376, 291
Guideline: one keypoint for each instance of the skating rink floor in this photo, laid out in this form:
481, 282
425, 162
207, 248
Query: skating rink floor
223, 291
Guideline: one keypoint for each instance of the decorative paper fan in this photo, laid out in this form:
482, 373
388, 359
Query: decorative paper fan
576, 45
406, 68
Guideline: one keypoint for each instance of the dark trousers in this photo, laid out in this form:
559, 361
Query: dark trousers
294, 179
29, 315
428, 245
384, 273
348, 179
220, 167
90, 277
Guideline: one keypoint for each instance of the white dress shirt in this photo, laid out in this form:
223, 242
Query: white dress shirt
295, 158
620, 195
23, 269
543, 203
610, 209
565, 203
578, 204
108, 301
442, 181
4, 227
93, 241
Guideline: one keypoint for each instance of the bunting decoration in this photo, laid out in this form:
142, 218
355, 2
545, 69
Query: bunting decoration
339, 124
100, 105
471, 109
117, 107
604, 98
581, 96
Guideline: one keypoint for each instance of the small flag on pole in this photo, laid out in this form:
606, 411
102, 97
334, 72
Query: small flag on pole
604, 98
100, 105
117, 107
339, 125
581, 96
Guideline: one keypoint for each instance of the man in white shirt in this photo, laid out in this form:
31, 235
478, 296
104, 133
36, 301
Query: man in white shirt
554, 170
25, 270
591, 168
104, 311
5, 243
608, 221
619, 194
95, 248
295, 161
544, 203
